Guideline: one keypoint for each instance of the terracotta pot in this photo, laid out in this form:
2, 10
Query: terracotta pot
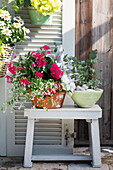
53, 102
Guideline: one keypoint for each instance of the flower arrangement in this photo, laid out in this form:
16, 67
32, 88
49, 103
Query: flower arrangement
14, 31
36, 74
46, 7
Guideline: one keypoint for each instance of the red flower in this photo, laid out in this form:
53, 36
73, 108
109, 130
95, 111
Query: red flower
24, 81
9, 79
37, 56
22, 67
48, 52
39, 75
15, 56
18, 68
12, 68
56, 72
32, 53
42, 53
46, 47
41, 62
33, 64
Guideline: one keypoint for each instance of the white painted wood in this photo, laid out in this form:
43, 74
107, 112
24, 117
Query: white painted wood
91, 115
61, 158
2, 118
16, 123
66, 125
95, 143
65, 113
68, 29
29, 143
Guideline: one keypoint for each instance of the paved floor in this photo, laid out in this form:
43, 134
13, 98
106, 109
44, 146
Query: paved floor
16, 163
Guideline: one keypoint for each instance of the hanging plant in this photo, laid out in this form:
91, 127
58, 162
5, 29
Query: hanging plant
11, 32
40, 11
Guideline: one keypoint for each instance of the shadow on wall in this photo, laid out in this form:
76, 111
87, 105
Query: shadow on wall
94, 34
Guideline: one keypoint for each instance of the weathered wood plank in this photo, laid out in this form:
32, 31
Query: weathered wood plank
101, 40
94, 29
83, 20
83, 25
112, 74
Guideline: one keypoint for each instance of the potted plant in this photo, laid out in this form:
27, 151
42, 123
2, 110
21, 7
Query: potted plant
11, 32
40, 11
38, 77
82, 80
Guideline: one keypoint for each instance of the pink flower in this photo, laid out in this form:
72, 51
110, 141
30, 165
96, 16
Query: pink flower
15, 56
46, 47
24, 81
48, 52
33, 64
18, 68
41, 62
9, 79
37, 56
32, 53
22, 67
56, 72
59, 86
12, 68
39, 75
51, 91
42, 53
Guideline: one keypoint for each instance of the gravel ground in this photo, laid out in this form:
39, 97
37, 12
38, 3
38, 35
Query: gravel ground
16, 163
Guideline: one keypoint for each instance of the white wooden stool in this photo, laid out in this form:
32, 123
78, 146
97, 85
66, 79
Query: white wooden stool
91, 115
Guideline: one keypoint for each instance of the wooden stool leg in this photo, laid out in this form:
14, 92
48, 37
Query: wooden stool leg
95, 143
29, 143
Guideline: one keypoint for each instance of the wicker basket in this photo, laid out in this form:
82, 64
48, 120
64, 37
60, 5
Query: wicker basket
5, 60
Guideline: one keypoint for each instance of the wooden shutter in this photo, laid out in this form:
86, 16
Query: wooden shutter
47, 132
49, 135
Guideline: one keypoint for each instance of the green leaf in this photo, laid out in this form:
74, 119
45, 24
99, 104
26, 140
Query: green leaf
2, 108
49, 101
12, 101
40, 104
39, 96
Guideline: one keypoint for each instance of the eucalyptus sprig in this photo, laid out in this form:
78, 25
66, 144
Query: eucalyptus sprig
83, 72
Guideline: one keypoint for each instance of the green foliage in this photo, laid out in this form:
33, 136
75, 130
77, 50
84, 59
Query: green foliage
83, 72
15, 4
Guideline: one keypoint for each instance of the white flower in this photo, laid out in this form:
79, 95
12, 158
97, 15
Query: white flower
2, 23
18, 18
6, 31
6, 13
6, 17
26, 30
65, 79
72, 86
17, 25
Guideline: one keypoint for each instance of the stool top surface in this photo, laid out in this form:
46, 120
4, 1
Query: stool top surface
66, 112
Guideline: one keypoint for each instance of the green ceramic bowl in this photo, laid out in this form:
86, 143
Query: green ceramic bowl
86, 98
